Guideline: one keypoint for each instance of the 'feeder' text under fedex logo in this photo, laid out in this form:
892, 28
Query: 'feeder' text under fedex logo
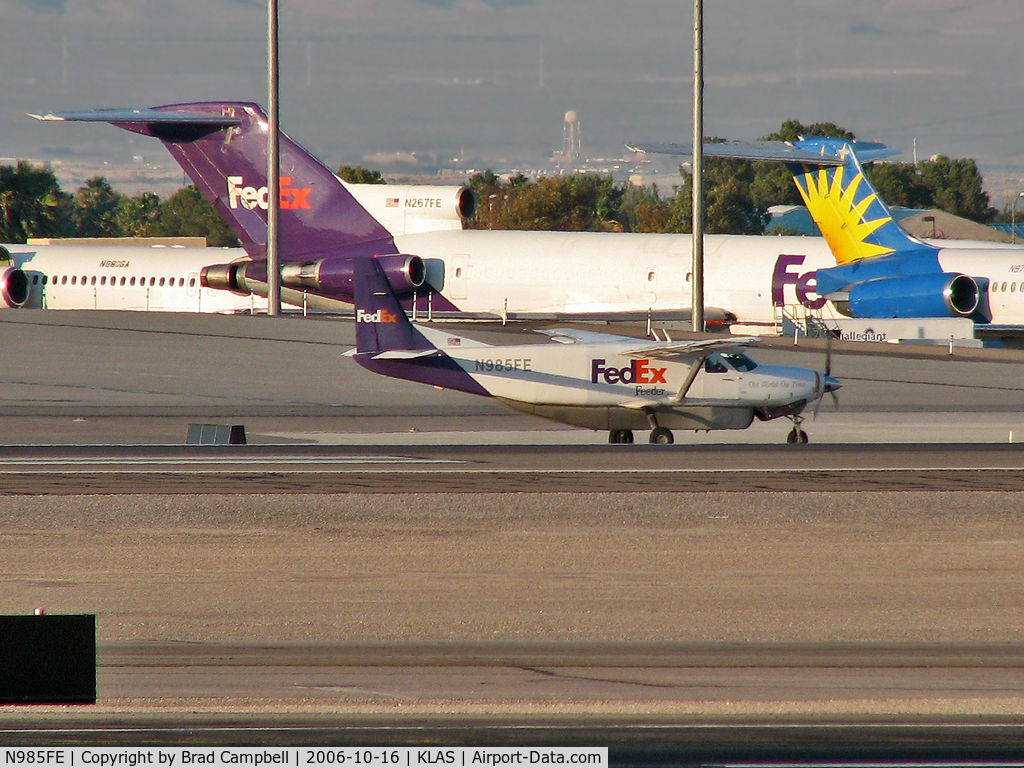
251, 197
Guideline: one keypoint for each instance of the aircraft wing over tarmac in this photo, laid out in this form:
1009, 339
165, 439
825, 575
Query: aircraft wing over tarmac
599, 382
459, 273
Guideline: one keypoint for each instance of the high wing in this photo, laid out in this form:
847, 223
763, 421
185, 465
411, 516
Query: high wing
660, 350
575, 335
691, 350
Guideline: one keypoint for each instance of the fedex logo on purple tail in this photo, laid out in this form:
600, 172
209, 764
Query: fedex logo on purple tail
805, 284
380, 316
637, 372
251, 198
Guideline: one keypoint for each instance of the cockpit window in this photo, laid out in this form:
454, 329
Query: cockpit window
739, 361
714, 365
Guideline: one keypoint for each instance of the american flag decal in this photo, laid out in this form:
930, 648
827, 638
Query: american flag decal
454, 342
392, 202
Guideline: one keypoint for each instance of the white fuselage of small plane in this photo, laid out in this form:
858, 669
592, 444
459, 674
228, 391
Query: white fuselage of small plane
609, 385
126, 277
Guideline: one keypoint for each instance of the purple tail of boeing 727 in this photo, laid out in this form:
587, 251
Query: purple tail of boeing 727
222, 146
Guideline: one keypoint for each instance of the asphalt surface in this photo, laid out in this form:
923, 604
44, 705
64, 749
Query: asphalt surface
65, 470
426, 560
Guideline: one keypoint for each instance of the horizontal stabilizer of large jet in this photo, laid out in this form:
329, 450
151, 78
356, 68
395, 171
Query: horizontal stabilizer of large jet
140, 116
810, 151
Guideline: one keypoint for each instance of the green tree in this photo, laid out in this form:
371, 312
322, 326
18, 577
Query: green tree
956, 187
136, 216
576, 203
490, 191
95, 211
773, 182
188, 214
900, 184
357, 174
32, 204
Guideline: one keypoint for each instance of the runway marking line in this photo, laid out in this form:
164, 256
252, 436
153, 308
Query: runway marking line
172, 469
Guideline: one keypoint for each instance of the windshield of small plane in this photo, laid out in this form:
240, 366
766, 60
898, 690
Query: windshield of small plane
739, 361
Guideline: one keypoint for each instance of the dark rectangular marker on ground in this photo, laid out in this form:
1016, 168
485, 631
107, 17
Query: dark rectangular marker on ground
48, 659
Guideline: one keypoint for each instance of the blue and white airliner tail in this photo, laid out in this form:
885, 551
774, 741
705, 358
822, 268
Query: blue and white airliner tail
880, 270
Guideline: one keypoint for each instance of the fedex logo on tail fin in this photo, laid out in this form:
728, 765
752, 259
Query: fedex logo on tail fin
251, 198
380, 316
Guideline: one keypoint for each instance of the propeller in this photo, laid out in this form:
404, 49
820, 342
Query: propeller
828, 375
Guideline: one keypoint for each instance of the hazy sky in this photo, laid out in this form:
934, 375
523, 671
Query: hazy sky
492, 79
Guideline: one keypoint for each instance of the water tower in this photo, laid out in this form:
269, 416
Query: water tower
571, 147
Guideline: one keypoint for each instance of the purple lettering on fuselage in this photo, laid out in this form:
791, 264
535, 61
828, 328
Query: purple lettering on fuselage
637, 372
805, 284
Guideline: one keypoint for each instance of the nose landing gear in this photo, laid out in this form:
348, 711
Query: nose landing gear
662, 436
796, 436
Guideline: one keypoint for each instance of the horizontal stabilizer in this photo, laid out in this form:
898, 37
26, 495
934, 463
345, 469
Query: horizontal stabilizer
141, 116
810, 151
406, 354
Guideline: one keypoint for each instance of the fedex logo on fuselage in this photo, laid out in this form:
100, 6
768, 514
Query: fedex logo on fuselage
637, 372
805, 284
380, 316
251, 198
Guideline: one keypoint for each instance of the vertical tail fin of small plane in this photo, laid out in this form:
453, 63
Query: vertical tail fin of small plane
852, 217
381, 323
222, 147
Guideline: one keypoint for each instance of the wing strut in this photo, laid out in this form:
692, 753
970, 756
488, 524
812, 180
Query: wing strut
691, 375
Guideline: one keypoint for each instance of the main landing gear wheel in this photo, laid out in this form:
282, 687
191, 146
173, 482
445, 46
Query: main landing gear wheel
662, 436
620, 436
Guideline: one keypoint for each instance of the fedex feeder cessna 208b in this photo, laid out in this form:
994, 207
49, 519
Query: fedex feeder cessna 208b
463, 273
597, 381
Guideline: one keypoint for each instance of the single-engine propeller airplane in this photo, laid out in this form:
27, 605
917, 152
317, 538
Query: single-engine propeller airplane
595, 380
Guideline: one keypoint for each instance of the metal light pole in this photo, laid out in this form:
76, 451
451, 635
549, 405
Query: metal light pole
273, 166
697, 271
1013, 218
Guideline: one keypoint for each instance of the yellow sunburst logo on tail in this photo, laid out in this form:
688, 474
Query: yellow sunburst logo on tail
840, 217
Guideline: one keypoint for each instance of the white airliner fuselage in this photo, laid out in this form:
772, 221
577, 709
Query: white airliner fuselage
126, 277
565, 273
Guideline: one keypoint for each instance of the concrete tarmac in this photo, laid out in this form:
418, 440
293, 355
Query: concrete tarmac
272, 578
141, 378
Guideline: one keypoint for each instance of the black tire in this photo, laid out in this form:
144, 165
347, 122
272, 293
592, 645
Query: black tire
627, 436
796, 437
662, 436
